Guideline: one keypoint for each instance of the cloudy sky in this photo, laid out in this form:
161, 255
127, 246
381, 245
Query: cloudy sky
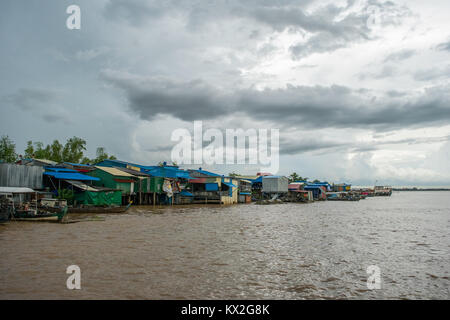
359, 89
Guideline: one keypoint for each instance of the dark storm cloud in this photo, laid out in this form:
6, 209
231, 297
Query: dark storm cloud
188, 101
305, 106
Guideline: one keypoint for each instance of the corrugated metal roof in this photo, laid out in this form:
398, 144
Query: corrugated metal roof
81, 185
16, 190
115, 171
134, 172
46, 161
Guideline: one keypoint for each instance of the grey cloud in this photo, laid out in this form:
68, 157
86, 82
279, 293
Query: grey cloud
309, 107
445, 46
307, 144
331, 27
385, 72
400, 55
136, 12
28, 99
39, 102
433, 73
157, 96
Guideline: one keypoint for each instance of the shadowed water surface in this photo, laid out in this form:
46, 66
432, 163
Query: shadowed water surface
284, 251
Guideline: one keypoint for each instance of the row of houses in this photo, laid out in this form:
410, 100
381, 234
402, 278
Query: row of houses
115, 182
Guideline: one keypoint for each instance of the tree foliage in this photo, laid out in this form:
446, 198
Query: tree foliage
7, 150
295, 177
72, 151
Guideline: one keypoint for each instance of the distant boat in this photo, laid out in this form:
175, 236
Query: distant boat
93, 209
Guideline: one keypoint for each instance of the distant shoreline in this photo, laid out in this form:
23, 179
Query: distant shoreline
420, 189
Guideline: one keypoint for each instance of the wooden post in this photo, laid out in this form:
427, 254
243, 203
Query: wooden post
154, 198
140, 191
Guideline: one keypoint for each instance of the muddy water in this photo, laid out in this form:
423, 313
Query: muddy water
286, 251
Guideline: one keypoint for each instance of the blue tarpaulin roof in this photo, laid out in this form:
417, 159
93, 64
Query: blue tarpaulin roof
168, 172
259, 179
71, 176
229, 184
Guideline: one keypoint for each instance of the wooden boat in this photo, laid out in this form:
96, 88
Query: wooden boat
93, 209
24, 210
38, 215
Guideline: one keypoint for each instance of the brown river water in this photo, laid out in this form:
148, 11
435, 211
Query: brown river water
319, 250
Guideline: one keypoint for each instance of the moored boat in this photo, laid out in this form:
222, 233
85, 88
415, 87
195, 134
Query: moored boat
94, 209
18, 204
38, 215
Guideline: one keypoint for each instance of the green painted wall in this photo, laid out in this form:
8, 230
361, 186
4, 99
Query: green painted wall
107, 180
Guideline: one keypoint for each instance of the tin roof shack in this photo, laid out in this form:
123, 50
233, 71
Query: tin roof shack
142, 180
59, 180
298, 194
113, 178
245, 191
14, 175
173, 181
319, 191
86, 195
275, 184
209, 187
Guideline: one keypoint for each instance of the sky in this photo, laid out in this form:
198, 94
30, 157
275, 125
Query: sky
358, 89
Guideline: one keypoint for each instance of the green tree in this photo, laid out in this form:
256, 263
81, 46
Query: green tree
7, 150
40, 152
233, 174
56, 151
73, 150
29, 151
295, 177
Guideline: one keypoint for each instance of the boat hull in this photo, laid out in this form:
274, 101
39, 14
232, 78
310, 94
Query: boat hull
98, 210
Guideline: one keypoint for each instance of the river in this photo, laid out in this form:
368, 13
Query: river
319, 250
